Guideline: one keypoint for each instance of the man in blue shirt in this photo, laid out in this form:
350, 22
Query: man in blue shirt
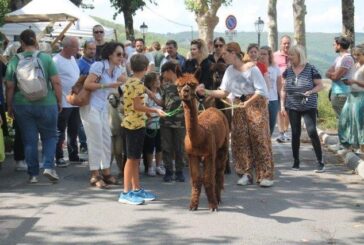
172, 54
88, 58
84, 63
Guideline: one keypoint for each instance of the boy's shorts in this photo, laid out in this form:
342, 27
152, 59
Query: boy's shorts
134, 142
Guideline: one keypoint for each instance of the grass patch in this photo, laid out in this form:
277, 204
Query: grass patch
326, 115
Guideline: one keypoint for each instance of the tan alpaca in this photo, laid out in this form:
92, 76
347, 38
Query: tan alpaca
207, 142
115, 118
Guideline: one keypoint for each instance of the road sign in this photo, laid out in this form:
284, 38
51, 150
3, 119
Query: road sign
230, 34
231, 22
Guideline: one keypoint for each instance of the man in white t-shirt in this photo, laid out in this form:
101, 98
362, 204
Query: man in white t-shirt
69, 117
140, 49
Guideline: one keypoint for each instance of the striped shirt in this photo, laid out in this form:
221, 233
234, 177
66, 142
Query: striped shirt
295, 86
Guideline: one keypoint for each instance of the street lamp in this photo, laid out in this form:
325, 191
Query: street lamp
144, 30
259, 26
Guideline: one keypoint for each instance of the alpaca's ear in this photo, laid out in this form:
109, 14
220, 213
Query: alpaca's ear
197, 73
212, 67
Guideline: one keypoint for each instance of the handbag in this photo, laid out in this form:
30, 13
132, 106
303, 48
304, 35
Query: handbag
80, 96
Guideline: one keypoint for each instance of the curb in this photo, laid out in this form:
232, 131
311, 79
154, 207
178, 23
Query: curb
351, 160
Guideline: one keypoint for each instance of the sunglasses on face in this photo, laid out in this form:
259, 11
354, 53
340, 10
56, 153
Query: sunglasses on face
119, 54
98, 32
219, 45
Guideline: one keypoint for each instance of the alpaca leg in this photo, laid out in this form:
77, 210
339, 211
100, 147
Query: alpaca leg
118, 154
227, 165
113, 139
221, 158
209, 182
196, 182
228, 115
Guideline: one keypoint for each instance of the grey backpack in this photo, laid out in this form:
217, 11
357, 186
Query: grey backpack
30, 77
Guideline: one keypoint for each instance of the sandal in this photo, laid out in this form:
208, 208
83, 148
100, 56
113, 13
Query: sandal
110, 180
98, 182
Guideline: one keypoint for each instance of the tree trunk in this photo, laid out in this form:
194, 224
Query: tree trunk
272, 25
206, 24
299, 12
347, 10
128, 21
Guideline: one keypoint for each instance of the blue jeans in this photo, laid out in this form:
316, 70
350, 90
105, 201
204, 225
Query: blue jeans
273, 111
34, 120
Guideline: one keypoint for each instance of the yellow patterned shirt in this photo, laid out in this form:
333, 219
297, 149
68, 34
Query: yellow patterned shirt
133, 119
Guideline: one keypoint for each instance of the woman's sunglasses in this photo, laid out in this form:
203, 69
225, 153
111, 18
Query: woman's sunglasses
119, 54
98, 32
219, 45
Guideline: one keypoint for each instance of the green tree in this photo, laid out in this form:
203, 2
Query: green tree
4, 9
206, 18
128, 8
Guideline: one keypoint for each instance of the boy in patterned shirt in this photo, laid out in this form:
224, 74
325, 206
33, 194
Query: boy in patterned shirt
134, 124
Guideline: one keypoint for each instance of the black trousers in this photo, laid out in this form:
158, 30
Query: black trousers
309, 118
68, 118
18, 143
4, 126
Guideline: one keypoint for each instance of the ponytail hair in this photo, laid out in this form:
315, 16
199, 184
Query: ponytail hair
235, 47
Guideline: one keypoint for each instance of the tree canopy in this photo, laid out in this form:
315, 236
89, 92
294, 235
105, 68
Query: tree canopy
128, 5
206, 15
4, 9
128, 8
199, 6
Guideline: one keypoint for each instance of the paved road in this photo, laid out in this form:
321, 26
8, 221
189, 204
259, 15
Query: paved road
302, 208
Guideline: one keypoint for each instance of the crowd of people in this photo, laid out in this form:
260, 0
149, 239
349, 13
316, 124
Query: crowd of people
263, 87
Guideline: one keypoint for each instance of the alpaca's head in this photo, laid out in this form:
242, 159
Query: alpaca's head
186, 86
114, 99
217, 70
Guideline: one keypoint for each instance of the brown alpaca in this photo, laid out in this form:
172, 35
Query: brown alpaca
207, 142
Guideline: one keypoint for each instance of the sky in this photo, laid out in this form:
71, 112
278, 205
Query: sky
322, 15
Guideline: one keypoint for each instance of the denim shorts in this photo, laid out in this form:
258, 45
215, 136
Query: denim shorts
134, 142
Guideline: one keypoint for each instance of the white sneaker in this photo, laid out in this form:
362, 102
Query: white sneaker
21, 166
151, 171
33, 179
161, 170
281, 138
51, 174
266, 183
286, 137
245, 180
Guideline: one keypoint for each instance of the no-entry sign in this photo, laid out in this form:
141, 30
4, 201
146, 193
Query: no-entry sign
231, 22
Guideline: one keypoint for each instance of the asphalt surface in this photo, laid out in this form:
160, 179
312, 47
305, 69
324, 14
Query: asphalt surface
301, 208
